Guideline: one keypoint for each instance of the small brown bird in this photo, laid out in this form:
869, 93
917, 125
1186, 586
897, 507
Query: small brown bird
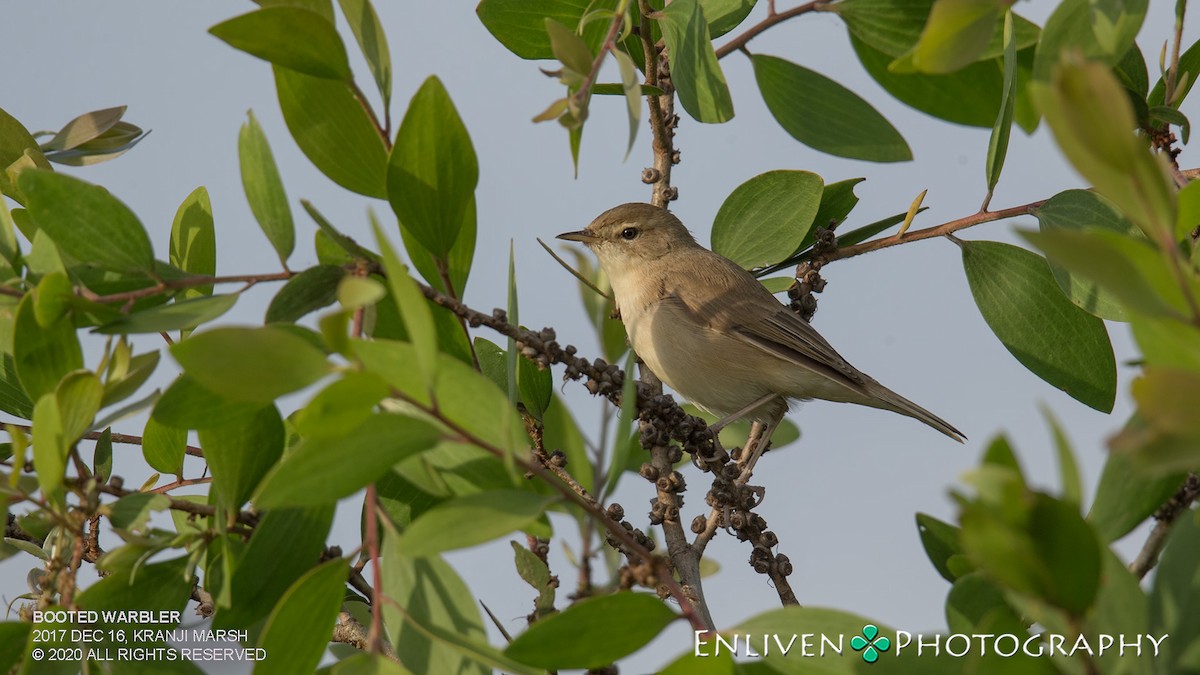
711, 331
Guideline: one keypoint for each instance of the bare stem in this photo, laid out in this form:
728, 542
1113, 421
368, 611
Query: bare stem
773, 18
1178, 504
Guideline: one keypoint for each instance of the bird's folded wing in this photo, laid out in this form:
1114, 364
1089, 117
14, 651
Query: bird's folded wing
789, 337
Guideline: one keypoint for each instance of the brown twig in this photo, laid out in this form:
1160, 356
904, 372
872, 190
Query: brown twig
181, 483
936, 231
125, 439
608, 45
773, 18
1178, 504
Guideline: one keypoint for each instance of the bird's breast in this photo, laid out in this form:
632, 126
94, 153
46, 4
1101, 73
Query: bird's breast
715, 371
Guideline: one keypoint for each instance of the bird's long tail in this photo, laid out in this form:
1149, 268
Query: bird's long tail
889, 400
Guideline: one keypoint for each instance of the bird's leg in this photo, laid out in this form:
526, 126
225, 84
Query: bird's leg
767, 429
725, 421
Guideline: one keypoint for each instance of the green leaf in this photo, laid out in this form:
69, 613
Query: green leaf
432, 594
940, 540
132, 512
291, 37
317, 471
1127, 268
562, 432
535, 385
895, 26
632, 90
164, 447
262, 575
341, 407
998, 142
1166, 398
84, 128
569, 48
368, 32
695, 71
621, 448
87, 222
193, 240
162, 586
470, 520
308, 291
300, 625
414, 310
534, 571
49, 447
251, 365
1070, 29
808, 620
186, 404
458, 260
179, 315
323, 8
1189, 69
765, 219
1167, 343
1175, 591
1125, 497
15, 141
1068, 469
955, 35
264, 187
1081, 210
333, 131
1189, 211
42, 355
1057, 341
432, 172
240, 454
79, 396
725, 15
520, 25
824, 115
616, 625
1091, 119
102, 457
13, 636
969, 96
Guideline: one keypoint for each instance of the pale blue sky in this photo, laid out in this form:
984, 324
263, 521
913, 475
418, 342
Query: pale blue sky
841, 500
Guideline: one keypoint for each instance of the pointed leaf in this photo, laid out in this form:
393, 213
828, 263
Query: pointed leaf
432, 171
193, 240
291, 37
824, 115
240, 454
695, 71
42, 355
616, 625
300, 625
1053, 338
334, 131
364, 23
418, 319
181, 315
84, 128
474, 519
264, 188
87, 222
955, 35
252, 365
1081, 210
312, 289
317, 471
998, 142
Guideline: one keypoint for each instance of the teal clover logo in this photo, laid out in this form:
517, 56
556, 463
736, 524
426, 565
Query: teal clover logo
870, 643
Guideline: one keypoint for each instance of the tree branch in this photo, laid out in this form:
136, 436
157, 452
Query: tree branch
936, 231
773, 18
1178, 504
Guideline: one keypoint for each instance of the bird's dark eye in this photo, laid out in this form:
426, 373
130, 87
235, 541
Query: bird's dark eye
629, 233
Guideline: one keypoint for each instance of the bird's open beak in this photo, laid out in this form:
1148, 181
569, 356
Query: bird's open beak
582, 236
